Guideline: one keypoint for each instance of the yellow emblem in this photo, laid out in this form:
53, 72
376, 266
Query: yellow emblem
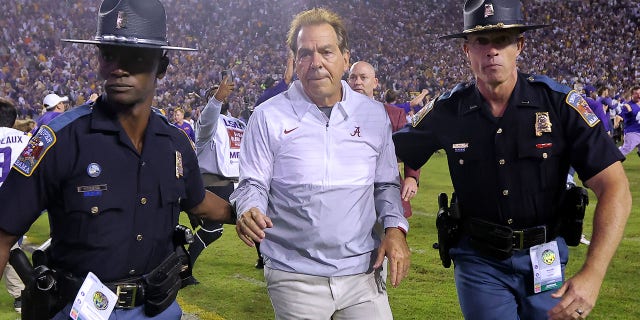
548, 257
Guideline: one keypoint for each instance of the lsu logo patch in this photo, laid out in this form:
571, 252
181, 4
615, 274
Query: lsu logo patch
35, 150
422, 113
577, 101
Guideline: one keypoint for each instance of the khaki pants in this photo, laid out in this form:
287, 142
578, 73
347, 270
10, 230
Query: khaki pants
299, 296
13, 282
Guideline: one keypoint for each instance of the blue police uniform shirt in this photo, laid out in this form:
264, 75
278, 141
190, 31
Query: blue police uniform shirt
112, 211
510, 170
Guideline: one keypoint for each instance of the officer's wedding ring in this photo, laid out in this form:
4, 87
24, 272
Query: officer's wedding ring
579, 311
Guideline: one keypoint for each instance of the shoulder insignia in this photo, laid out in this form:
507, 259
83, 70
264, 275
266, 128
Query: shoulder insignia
578, 102
35, 150
549, 83
415, 120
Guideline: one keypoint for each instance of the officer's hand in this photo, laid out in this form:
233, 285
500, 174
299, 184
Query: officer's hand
578, 296
224, 89
395, 247
409, 188
250, 226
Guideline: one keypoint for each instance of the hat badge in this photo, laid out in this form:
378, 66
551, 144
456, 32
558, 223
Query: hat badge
121, 20
488, 10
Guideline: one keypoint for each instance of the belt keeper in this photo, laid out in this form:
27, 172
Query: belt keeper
519, 234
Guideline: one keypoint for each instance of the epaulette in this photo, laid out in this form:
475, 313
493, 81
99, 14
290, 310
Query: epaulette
549, 83
415, 120
162, 116
449, 94
67, 117
45, 138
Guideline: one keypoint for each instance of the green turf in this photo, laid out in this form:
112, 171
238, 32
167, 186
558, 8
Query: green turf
232, 288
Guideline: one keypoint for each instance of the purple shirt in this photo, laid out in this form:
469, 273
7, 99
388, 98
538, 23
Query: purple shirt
631, 123
186, 127
272, 92
45, 119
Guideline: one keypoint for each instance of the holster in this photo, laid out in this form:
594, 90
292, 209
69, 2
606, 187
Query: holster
573, 209
448, 225
40, 298
162, 285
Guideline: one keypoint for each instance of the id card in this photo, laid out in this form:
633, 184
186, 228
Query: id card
94, 300
547, 271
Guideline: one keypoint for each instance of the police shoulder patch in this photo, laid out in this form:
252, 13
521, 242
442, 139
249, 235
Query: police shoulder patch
415, 120
578, 102
35, 150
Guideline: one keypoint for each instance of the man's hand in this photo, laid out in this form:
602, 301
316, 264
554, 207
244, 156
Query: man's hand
409, 188
250, 226
395, 247
578, 297
224, 90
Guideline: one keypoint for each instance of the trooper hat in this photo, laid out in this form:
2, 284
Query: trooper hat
492, 15
132, 23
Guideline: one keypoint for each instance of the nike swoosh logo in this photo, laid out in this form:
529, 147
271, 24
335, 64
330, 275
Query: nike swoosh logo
289, 131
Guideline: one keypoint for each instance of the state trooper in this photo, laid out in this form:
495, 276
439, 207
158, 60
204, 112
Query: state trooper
114, 176
510, 138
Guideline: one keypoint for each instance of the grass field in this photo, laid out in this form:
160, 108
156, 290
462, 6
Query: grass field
232, 289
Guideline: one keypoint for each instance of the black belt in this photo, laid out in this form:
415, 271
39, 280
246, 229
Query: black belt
130, 292
500, 241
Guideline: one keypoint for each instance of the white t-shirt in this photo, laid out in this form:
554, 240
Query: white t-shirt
12, 142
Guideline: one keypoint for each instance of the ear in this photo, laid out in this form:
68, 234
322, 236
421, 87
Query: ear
520, 44
346, 57
162, 66
465, 49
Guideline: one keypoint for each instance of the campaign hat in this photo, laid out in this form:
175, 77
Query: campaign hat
132, 23
492, 15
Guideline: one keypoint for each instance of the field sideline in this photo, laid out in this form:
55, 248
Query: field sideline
232, 289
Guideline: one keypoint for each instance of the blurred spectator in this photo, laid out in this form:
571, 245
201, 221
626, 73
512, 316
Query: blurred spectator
593, 41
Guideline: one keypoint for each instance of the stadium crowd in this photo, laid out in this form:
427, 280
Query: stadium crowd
595, 41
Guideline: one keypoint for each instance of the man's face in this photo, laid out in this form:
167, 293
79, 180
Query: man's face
129, 73
635, 95
492, 55
178, 116
362, 78
320, 64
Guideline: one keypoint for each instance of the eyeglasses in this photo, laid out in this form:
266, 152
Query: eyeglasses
499, 41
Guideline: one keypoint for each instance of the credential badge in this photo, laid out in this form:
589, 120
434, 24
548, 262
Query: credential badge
543, 123
488, 10
94, 170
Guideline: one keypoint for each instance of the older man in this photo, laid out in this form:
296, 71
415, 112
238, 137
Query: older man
317, 170
362, 78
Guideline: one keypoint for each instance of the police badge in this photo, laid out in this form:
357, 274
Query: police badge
543, 123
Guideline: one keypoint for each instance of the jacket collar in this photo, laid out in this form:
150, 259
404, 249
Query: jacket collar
522, 97
302, 104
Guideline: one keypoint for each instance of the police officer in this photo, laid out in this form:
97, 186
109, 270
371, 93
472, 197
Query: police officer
114, 176
510, 138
